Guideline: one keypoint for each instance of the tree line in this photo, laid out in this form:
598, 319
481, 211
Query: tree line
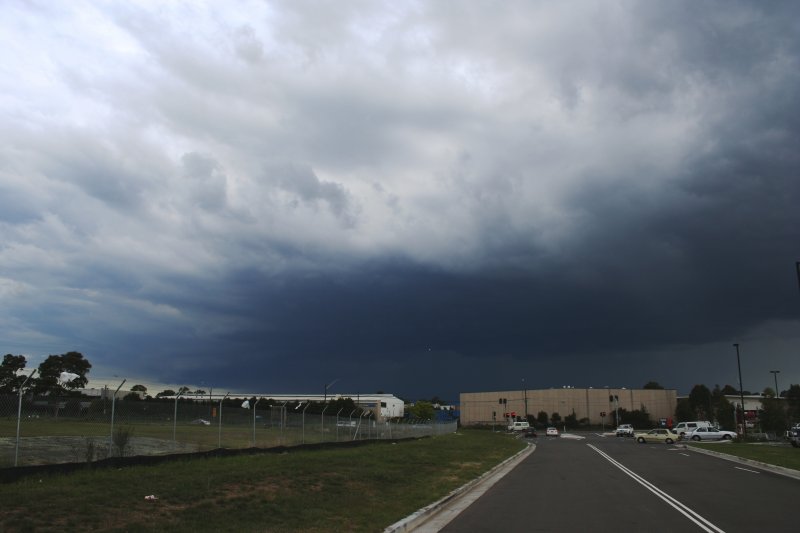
774, 415
57, 375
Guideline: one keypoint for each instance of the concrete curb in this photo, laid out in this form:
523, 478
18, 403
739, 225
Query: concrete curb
418, 518
789, 472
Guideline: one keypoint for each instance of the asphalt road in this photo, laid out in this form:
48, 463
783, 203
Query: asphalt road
614, 484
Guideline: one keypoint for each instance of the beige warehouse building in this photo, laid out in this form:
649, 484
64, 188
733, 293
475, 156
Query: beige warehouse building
485, 407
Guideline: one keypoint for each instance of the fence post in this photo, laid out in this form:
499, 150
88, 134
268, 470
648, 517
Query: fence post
254, 422
19, 414
283, 416
350, 424
175, 422
337, 424
303, 441
113, 401
219, 441
322, 424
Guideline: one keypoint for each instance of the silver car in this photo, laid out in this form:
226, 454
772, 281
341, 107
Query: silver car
710, 433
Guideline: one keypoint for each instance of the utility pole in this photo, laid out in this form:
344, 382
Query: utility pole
775, 375
741, 390
526, 398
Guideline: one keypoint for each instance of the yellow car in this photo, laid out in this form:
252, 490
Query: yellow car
656, 435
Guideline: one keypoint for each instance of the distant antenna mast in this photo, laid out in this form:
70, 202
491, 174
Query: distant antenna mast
797, 265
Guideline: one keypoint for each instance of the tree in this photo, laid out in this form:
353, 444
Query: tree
166, 392
723, 410
139, 388
638, 418
683, 411
653, 385
50, 370
345, 405
437, 401
793, 403
422, 410
555, 418
571, 420
772, 415
729, 390
184, 390
10, 382
542, 418
700, 402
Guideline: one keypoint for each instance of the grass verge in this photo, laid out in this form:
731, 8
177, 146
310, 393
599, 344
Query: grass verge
357, 489
784, 456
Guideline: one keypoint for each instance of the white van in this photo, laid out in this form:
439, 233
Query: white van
519, 426
687, 427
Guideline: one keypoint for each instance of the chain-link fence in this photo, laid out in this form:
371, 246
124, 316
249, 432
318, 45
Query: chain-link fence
44, 430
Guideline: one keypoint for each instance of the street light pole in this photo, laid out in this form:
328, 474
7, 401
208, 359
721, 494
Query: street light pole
741, 389
329, 385
775, 375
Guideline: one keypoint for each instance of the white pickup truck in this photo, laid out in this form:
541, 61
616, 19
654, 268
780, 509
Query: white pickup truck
625, 430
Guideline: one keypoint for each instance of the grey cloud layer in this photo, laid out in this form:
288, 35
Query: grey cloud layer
291, 180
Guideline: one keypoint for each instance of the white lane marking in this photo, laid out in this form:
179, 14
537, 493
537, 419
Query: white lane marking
701, 522
686, 454
747, 469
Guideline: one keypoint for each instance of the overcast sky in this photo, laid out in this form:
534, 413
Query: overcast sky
418, 198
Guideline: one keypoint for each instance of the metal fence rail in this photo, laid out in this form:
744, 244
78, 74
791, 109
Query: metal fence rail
43, 430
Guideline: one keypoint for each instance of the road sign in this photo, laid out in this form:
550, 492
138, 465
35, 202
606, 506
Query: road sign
603, 414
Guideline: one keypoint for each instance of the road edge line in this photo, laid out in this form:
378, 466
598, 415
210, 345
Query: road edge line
775, 469
419, 517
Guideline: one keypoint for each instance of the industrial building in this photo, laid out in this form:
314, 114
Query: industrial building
596, 405
383, 405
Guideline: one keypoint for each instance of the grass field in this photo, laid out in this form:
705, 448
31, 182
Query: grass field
784, 456
355, 489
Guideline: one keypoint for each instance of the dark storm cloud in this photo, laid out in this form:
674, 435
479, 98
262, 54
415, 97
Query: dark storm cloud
415, 199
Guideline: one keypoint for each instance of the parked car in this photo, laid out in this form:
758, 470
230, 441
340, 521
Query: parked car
710, 433
687, 427
624, 430
551, 432
656, 435
794, 436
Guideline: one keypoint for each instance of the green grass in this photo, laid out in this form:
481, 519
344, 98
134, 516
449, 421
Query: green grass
359, 489
784, 456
